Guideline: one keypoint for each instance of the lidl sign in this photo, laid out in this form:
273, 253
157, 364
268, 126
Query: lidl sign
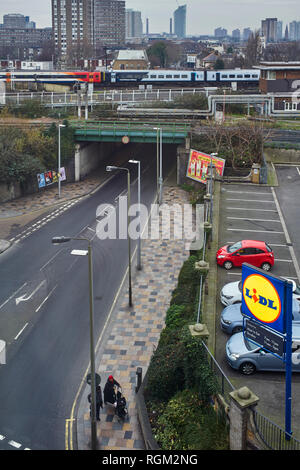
263, 298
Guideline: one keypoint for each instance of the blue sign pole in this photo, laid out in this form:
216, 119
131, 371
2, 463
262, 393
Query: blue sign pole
288, 358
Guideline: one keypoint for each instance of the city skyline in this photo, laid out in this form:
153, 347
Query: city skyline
229, 14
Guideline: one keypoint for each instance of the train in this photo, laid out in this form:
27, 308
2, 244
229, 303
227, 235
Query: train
125, 78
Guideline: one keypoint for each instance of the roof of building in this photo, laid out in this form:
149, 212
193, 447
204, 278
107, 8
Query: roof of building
212, 57
129, 54
278, 66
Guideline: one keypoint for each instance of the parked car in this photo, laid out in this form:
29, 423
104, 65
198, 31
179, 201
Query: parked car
247, 357
254, 252
231, 293
232, 318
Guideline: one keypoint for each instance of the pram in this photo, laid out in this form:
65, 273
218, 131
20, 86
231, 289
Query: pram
120, 405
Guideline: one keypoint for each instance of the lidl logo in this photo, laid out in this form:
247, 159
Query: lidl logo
261, 298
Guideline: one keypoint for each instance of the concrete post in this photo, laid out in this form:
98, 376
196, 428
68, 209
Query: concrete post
240, 402
77, 162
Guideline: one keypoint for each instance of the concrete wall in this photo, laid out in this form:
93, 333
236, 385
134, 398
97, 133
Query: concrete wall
282, 155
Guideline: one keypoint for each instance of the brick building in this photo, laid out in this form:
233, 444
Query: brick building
131, 60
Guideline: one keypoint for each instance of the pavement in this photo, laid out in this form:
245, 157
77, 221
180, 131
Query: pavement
131, 334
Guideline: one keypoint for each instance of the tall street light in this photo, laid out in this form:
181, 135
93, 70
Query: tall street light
159, 164
58, 241
114, 168
139, 263
59, 158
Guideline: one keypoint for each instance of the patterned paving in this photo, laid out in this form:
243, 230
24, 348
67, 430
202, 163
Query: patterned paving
135, 333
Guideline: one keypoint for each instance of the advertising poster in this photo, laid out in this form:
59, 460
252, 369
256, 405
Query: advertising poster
50, 177
199, 164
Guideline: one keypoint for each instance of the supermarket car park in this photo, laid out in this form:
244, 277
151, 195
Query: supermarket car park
254, 213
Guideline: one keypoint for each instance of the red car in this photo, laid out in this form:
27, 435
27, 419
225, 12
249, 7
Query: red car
254, 252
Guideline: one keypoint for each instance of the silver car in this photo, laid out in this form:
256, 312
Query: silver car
247, 357
231, 293
232, 319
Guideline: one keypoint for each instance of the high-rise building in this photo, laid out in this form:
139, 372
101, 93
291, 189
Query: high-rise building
72, 24
269, 29
109, 23
85, 25
279, 30
294, 31
134, 24
220, 33
236, 34
246, 34
180, 22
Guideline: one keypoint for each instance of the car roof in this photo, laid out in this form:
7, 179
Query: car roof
253, 244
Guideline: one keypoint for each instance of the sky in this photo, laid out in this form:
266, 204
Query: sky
203, 16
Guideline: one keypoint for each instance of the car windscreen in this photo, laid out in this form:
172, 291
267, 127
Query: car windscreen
269, 248
234, 247
250, 346
240, 286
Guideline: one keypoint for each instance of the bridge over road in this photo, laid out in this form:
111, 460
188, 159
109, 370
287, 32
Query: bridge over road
119, 131
100, 140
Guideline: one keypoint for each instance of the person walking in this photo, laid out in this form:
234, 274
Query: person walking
109, 390
99, 401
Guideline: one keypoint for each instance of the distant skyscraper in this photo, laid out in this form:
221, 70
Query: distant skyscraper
109, 23
147, 26
180, 22
220, 32
134, 24
246, 33
279, 30
17, 21
236, 34
269, 29
294, 32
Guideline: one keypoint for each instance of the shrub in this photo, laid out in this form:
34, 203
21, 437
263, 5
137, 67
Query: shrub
187, 424
175, 316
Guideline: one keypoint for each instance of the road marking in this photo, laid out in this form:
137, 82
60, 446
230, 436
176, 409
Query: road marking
256, 220
253, 230
46, 298
247, 200
250, 209
24, 299
21, 331
15, 444
4, 303
298, 171
284, 260
51, 259
249, 192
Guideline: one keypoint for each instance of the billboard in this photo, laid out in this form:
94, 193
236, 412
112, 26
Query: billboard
199, 164
49, 177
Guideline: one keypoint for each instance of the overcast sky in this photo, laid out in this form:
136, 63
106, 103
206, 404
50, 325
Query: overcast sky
203, 16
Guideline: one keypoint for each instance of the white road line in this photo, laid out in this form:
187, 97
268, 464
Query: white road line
298, 171
21, 331
248, 192
45, 300
288, 240
247, 200
255, 220
2, 437
4, 303
250, 209
284, 260
51, 259
253, 230
15, 444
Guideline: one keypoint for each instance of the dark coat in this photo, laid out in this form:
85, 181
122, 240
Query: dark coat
99, 400
109, 392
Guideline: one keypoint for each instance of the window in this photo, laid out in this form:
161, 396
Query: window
184, 76
247, 76
271, 75
231, 76
224, 76
168, 76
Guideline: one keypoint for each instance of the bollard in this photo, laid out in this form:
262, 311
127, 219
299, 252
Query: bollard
139, 373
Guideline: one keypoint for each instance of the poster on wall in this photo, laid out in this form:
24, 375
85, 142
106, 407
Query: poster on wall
50, 177
199, 164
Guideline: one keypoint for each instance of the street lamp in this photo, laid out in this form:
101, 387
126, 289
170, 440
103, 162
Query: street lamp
137, 162
58, 241
159, 164
59, 158
114, 168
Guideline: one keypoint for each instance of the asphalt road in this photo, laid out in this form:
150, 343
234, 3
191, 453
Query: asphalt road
262, 213
44, 312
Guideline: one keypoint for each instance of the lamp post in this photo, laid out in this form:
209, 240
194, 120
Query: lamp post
159, 164
137, 162
113, 168
57, 241
59, 158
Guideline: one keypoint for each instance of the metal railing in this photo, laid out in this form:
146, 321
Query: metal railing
273, 436
130, 126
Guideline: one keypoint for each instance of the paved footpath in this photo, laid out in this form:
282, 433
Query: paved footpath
133, 335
